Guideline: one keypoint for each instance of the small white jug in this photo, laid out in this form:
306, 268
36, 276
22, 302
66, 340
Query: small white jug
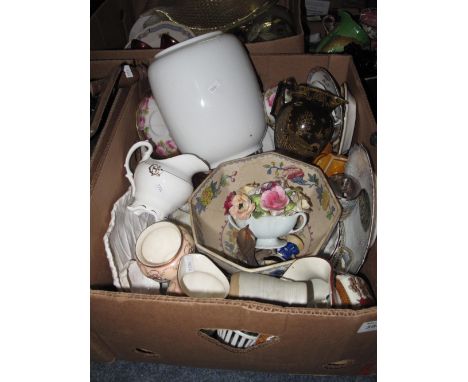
160, 187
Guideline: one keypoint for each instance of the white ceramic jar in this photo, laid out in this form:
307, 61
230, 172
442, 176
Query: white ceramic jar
210, 98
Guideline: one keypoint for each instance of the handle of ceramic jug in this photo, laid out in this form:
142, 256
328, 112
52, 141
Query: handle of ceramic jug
279, 99
233, 223
302, 225
146, 156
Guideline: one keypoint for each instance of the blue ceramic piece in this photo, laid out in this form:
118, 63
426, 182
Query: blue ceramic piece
289, 251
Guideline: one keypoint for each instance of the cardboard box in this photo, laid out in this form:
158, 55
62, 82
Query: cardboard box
166, 329
112, 21
111, 100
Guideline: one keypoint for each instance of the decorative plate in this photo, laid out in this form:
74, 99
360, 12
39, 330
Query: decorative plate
207, 207
321, 78
138, 27
358, 228
152, 34
151, 126
349, 121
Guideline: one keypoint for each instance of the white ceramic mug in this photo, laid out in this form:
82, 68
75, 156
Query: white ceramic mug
209, 97
268, 229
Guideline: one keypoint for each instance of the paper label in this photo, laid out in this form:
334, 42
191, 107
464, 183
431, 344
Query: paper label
127, 71
188, 265
317, 7
369, 326
214, 86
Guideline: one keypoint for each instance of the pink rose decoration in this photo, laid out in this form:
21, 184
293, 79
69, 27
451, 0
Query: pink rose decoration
160, 151
170, 143
293, 172
271, 98
141, 122
228, 202
241, 207
274, 199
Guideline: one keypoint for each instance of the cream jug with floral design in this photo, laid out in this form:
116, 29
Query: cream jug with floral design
161, 186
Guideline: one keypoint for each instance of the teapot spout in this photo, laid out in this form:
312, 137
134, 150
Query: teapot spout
184, 166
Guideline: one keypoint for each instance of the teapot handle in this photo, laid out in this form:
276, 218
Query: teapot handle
146, 156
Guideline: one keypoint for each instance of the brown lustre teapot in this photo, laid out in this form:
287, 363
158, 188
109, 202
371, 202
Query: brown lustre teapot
303, 120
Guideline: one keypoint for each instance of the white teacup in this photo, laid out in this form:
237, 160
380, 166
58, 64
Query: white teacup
268, 229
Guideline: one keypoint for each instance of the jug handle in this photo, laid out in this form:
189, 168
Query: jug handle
146, 156
280, 98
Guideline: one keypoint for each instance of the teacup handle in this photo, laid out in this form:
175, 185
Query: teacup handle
146, 156
233, 223
304, 222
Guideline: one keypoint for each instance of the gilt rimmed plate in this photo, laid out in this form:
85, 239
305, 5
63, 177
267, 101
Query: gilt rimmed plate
357, 230
207, 205
321, 78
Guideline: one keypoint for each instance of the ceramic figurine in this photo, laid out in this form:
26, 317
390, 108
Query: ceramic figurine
304, 125
161, 186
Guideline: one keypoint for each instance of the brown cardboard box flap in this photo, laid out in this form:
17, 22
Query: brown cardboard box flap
167, 329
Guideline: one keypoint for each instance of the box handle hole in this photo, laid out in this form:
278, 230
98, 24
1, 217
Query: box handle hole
238, 339
146, 352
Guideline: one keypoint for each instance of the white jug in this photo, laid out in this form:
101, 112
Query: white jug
161, 186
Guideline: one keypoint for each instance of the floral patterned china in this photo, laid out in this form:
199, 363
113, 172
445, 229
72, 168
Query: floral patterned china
270, 210
151, 126
358, 228
211, 231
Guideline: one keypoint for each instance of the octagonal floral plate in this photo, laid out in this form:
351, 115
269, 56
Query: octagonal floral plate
214, 237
